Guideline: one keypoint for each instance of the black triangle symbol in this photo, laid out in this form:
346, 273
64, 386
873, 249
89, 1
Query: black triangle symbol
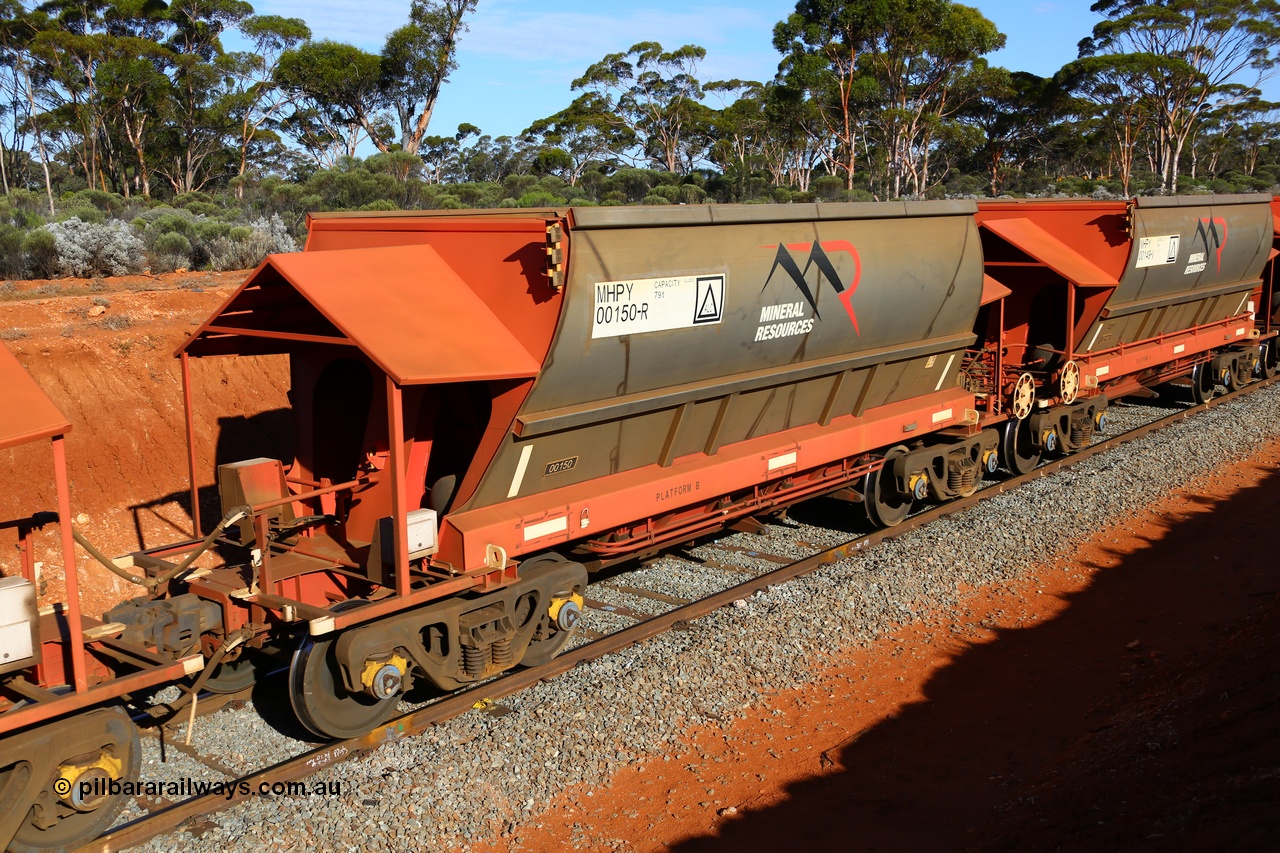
708, 307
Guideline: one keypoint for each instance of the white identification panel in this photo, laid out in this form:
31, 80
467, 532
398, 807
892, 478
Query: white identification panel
1157, 251
656, 304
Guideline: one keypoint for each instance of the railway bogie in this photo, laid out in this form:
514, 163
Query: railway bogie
62, 783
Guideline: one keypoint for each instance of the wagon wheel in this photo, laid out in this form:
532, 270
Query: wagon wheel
1266, 366
553, 634
320, 697
1069, 382
1020, 455
885, 506
72, 797
1202, 384
1023, 396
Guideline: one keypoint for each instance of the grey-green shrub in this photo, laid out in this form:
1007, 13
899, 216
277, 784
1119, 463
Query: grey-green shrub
245, 246
89, 248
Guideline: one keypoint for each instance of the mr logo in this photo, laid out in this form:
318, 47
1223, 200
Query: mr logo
1207, 233
819, 257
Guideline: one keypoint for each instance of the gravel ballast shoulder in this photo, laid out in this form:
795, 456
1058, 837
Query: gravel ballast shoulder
482, 774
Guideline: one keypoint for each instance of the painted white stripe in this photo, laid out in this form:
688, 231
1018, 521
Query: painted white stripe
525, 453
1102, 371
1243, 300
1096, 332
1239, 332
944, 415
1179, 348
945, 370
782, 461
546, 528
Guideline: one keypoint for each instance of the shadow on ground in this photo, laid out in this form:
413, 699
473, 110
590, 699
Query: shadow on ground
1067, 735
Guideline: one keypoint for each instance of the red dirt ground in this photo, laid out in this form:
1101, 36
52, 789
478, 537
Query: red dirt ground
1126, 700
112, 373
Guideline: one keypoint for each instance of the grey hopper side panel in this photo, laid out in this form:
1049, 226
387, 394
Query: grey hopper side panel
1192, 257
619, 402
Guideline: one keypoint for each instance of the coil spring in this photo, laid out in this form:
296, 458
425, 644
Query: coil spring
961, 479
1081, 432
474, 660
501, 653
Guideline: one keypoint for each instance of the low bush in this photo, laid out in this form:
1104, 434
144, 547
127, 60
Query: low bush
40, 251
11, 261
244, 247
89, 248
171, 251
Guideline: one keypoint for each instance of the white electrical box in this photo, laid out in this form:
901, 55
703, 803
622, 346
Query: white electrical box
421, 539
19, 624
422, 533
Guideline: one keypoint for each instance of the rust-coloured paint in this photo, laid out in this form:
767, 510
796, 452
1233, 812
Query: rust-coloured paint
402, 306
27, 414
677, 334
64, 657
1111, 283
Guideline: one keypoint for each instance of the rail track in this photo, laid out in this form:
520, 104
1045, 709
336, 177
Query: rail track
164, 815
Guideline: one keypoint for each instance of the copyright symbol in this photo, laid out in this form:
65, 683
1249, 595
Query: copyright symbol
62, 786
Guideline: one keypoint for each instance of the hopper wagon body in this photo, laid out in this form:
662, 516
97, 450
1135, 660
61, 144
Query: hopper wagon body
525, 394
1110, 298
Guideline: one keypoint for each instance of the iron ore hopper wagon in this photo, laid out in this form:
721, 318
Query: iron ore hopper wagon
490, 404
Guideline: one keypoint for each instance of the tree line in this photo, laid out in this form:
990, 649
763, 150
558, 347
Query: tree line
873, 99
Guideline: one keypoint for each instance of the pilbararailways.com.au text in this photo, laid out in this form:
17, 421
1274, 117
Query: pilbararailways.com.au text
188, 787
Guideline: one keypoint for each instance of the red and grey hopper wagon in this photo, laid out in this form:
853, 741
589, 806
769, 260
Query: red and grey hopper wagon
489, 403
1112, 298
63, 735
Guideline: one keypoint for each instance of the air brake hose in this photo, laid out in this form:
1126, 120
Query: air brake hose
107, 561
233, 515
233, 639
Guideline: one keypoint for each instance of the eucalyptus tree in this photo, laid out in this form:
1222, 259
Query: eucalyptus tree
1007, 109
895, 69
1193, 51
821, 43
337, 97
796, 142
417, 60
921, 56
201, 117
582, 135
654, 94
259, 101
1111, 90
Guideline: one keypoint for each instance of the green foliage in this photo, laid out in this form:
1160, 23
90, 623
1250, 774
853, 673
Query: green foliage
83, 214
11, 260
171, 251
539, 198
40, 250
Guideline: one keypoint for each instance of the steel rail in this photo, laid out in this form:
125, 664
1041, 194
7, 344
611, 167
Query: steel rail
170, 817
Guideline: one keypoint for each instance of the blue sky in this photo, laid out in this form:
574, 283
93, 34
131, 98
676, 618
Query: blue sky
516, 63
